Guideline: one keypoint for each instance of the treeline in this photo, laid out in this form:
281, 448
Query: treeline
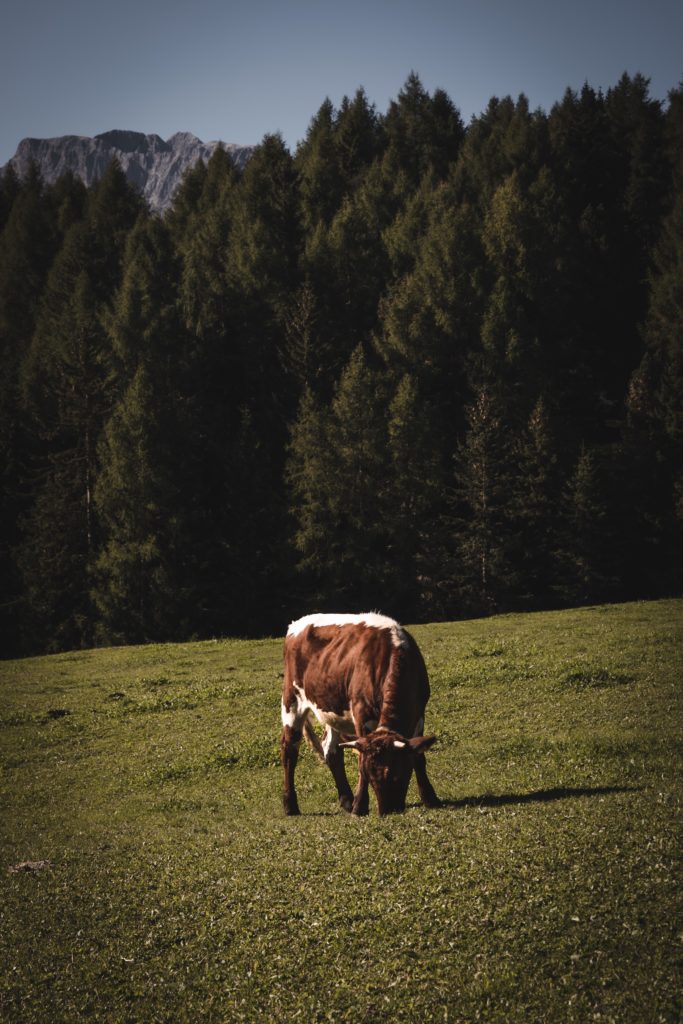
415, 366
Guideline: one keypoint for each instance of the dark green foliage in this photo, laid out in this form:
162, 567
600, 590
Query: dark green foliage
316, 382
423, 133
338, 474
483, 484
139, 588
535, 506
587, 569
69, 382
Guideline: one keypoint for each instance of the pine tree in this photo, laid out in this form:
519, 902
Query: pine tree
483, 570
27, 248
413, 502
338, 471
136, 592
183, 214
587, 539
534, 512
654, 426
68, 391
506, 138
139, 588
262, 272
423, 133
321, 184
430, 319
10, 187
358, 138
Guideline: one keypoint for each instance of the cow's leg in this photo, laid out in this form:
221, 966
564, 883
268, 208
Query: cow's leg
334, 758
289, 755
427, 794
361, 798
364, 721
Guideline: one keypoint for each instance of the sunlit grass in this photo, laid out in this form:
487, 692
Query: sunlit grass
545, 890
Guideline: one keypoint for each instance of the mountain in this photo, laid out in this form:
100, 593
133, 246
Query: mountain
153, 165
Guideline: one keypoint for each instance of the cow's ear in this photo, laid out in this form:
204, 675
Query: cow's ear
419, 744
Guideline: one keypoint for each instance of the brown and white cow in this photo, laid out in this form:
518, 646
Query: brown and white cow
364, 679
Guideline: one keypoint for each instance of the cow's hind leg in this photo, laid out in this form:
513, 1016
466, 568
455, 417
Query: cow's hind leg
289, 755
334, 758
426, 790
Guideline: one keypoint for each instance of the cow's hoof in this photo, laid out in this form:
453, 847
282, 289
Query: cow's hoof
346, 803
292, 809
433, 804
359, 812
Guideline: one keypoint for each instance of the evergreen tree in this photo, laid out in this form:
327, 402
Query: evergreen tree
534, 512
239, 279
430, 318
654, 427
483, 571
321, 183
262, 263
27, 248
587, 539
523, 327
506, 138
346, 268
139, 585
423, 133
413, 502
10, 188
358, 137
310, 474
68, 389
182, 216
338, 473
304, 356
136, 590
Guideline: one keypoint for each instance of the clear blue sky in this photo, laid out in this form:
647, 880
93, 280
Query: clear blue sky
236, 70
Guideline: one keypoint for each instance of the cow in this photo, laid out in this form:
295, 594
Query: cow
364, 679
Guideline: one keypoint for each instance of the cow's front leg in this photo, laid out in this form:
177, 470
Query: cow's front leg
289, 755
361, 798
334, 758
426, 790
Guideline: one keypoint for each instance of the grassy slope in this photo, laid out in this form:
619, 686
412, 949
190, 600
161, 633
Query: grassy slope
545, 891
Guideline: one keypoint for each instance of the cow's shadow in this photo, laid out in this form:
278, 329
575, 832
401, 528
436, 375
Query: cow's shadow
537, 796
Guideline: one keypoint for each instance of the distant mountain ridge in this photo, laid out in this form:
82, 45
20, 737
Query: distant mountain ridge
154, 165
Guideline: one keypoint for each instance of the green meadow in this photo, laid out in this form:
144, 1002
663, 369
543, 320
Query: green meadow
147, 872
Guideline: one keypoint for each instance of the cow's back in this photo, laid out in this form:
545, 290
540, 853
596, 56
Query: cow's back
367, 661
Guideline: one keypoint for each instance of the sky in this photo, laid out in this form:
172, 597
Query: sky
237, 70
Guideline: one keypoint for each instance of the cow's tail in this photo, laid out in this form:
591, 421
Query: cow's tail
311, 737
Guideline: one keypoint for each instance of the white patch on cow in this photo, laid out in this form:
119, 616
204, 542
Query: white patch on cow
372, 619
399, 743
330, 719
330, 742
288, 717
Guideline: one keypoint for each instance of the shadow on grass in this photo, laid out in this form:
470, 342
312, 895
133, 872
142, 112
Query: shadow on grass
538, 796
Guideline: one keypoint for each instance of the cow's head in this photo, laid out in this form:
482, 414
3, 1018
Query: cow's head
386, 759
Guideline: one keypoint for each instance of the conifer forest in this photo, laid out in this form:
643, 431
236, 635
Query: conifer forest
419, 366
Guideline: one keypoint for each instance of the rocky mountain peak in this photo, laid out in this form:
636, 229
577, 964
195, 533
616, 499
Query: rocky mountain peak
154, 165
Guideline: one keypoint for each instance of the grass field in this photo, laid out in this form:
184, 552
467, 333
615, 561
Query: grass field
144, 787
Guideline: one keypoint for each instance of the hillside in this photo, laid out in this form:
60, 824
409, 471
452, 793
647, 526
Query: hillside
142, 786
